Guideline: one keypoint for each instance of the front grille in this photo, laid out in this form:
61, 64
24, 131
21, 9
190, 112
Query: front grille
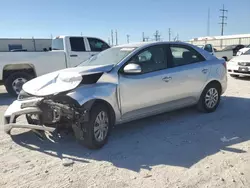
244, 63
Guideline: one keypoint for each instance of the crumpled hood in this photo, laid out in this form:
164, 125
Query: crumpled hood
63, 80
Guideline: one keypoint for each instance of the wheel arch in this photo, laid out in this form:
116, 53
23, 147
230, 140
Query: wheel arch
93, 102
13, 68
216, 82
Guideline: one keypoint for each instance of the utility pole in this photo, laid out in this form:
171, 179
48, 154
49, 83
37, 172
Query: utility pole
143, 37
81, 33
116, 38
208, 22
109, 41
112, 38
169, 34
157, 35
223, 18
128, 38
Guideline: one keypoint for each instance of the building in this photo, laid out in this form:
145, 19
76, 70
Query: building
25, 44
222, 41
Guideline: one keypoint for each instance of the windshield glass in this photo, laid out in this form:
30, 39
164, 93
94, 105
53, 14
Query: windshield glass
247, 52
111, 56
57, 44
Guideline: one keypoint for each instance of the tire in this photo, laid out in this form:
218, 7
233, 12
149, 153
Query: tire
88, 129
23, 76
204, 106
234, 76
225, 58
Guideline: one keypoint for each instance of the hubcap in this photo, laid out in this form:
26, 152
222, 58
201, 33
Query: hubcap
17, 84
211, 98
101, 126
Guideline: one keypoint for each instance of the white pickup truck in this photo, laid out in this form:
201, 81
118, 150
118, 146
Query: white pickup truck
16, 68
225, 54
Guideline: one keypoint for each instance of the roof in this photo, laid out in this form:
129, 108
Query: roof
140, 44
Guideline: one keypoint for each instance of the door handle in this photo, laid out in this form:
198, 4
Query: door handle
205, 71
73, 55
167, 79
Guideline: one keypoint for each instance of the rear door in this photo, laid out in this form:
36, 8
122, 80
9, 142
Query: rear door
77, 51
188, 72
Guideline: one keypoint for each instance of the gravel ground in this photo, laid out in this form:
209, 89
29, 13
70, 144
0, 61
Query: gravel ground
184, 148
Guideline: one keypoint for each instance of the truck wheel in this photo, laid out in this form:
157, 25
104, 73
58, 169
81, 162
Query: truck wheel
210, 98
96, 131
15, 81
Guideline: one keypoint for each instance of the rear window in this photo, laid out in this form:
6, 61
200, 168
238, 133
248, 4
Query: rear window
57, 44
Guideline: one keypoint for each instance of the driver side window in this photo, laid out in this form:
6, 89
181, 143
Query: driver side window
151, 59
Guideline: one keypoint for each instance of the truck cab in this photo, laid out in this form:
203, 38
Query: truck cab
16, 68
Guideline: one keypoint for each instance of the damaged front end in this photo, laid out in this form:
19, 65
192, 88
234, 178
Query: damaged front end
44, 113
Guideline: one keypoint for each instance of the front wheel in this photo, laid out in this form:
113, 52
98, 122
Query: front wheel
210, 98
96, 131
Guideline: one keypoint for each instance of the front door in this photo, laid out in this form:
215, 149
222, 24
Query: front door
145, 92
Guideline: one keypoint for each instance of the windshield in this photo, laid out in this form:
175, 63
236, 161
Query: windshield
111, 56
57, 44
248, 46
247, 52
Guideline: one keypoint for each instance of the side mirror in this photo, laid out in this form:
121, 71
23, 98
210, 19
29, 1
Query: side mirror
132, 68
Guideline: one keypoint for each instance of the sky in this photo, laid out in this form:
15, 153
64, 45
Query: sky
187, 18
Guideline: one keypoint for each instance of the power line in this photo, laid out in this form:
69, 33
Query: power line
223, 18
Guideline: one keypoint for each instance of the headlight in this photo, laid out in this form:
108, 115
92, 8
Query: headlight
23, 95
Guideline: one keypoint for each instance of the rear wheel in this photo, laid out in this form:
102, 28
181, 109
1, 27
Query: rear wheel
15, 81
210, 98
95, 132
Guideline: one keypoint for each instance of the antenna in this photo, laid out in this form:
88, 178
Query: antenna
223, 18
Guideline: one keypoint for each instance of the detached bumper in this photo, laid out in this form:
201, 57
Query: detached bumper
15, 110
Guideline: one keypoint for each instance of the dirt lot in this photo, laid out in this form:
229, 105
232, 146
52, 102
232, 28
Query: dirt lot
179, 149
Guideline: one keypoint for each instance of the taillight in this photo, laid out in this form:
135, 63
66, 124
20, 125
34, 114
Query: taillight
225, 64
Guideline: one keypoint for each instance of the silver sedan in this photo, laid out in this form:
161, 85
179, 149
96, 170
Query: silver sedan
118, 85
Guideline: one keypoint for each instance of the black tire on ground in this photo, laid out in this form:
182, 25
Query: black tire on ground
87, 129
12, 77
225, 58
202, 106
234, 76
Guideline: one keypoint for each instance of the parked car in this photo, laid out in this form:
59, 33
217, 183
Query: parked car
67, 51
240, 65
119, 85
225, 54
243, 50
235, 48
